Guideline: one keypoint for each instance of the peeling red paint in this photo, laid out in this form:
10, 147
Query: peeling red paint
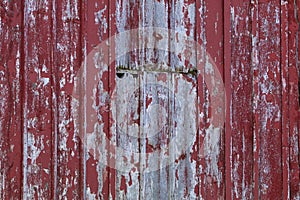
49, 150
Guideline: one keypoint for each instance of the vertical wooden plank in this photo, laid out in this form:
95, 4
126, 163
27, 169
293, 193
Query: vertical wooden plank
68, 60
210, 30
120, 16
11, 99
127, 124
37, 108
96, 92
202, 98
254, 62
284, 99
181, 175
215, 49
128, 182
241, 102
111, 91
151, 181
201, 93
268, 97
215, 169
293, 97
54, 106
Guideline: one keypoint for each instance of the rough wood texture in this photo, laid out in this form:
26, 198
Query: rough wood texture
12, 101
242, 123
87, 115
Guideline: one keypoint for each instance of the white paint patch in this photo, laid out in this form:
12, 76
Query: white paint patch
35, 147
100, 19
212, 151
89, 194
45, 81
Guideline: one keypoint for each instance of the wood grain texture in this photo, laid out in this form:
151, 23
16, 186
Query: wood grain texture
293, 99
209, 33
37, 108
67, 55
100, 179
11, 86
268, 111
241, 101
85, 114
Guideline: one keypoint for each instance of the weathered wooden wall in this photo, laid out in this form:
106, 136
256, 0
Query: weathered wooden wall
63, 105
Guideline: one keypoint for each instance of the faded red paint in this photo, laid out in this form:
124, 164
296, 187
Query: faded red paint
255, 46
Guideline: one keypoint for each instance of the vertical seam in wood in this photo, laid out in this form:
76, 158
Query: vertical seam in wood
24, 100
109, 174
170, 18
227, 80
54, 103
141, 55
111, 74
197, 10
83, 57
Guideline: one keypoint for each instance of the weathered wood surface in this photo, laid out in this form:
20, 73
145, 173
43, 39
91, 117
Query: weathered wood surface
85, 115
